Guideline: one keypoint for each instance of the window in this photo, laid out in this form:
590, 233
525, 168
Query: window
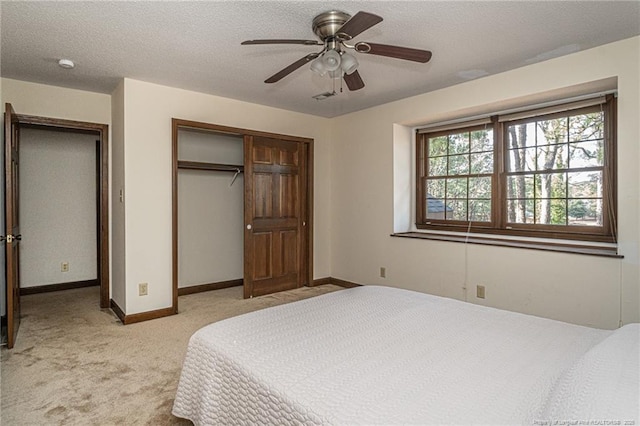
540, 173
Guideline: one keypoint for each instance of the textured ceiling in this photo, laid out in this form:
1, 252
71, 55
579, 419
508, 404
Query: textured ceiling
196, 45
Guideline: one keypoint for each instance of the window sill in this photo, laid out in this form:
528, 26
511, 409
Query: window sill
522, 244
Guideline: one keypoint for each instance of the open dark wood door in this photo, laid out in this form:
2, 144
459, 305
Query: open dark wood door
275, 185
12, 228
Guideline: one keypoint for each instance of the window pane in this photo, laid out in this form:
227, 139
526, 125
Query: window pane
459, 164
435, 188
551, 185
436, 208
456, 188
522, 160
551, 157
558, 212
438, 166
482, 140
586, 126
520, 211
459, 208
585, 184
543, 211
480, 187
482, 163
438, 146
585, 212
551, 212
520, 186
521, 135
586, 154
459, 143
480, 210
447, 182
552, 131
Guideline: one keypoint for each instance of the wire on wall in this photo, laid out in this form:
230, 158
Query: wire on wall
465, 286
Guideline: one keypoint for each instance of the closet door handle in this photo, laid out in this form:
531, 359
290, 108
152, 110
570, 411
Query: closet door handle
249, 226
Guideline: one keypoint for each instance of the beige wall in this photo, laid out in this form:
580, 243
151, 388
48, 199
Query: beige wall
57, 207
117, 212
574, 288
56, 102
148, 112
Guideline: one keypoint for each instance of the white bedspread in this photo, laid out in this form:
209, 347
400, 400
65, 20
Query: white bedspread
376, 355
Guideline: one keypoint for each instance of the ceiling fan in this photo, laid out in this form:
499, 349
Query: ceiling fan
335, 29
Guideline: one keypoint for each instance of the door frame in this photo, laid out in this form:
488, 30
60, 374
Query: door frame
11, 208
102, 134
177, 124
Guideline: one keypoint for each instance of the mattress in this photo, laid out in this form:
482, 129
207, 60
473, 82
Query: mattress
379, 355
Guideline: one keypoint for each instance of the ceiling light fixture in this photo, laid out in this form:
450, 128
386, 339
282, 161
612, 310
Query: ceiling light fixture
66, 64
349, 63
335, 63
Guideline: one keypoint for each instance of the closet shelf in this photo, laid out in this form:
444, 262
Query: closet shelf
196, 165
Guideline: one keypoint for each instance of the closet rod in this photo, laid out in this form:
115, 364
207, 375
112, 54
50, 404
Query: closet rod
196, 165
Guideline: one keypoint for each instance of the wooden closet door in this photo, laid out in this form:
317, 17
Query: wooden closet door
274, 215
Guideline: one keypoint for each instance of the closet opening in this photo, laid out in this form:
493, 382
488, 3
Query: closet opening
55, 153
210, 205
56, 208
242, 210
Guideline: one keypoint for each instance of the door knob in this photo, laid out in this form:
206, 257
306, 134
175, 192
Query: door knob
249, 226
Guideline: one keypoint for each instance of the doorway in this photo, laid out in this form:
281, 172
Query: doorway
58, 209
97, 136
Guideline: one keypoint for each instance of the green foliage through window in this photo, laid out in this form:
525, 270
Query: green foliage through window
553, 174
459, 168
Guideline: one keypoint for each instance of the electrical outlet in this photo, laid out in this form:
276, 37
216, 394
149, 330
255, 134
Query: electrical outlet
480, 292
383, 272
143, 289
64, 267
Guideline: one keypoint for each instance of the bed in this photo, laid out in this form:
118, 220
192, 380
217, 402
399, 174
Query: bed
380, 355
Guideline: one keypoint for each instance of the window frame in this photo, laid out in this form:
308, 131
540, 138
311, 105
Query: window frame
498, 223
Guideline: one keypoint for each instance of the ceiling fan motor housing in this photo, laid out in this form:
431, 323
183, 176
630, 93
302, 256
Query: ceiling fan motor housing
326, 24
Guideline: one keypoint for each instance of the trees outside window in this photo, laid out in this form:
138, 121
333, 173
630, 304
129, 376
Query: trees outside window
543, 173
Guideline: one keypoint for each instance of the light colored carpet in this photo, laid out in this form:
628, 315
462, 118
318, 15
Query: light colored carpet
75, 364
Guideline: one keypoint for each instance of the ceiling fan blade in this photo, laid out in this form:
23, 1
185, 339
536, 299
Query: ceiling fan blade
416, 55
354, 81
358, 23
283, 41
291, 68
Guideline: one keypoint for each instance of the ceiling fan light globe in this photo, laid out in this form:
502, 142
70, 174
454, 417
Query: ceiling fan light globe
318, 67
349, 63
331, 60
